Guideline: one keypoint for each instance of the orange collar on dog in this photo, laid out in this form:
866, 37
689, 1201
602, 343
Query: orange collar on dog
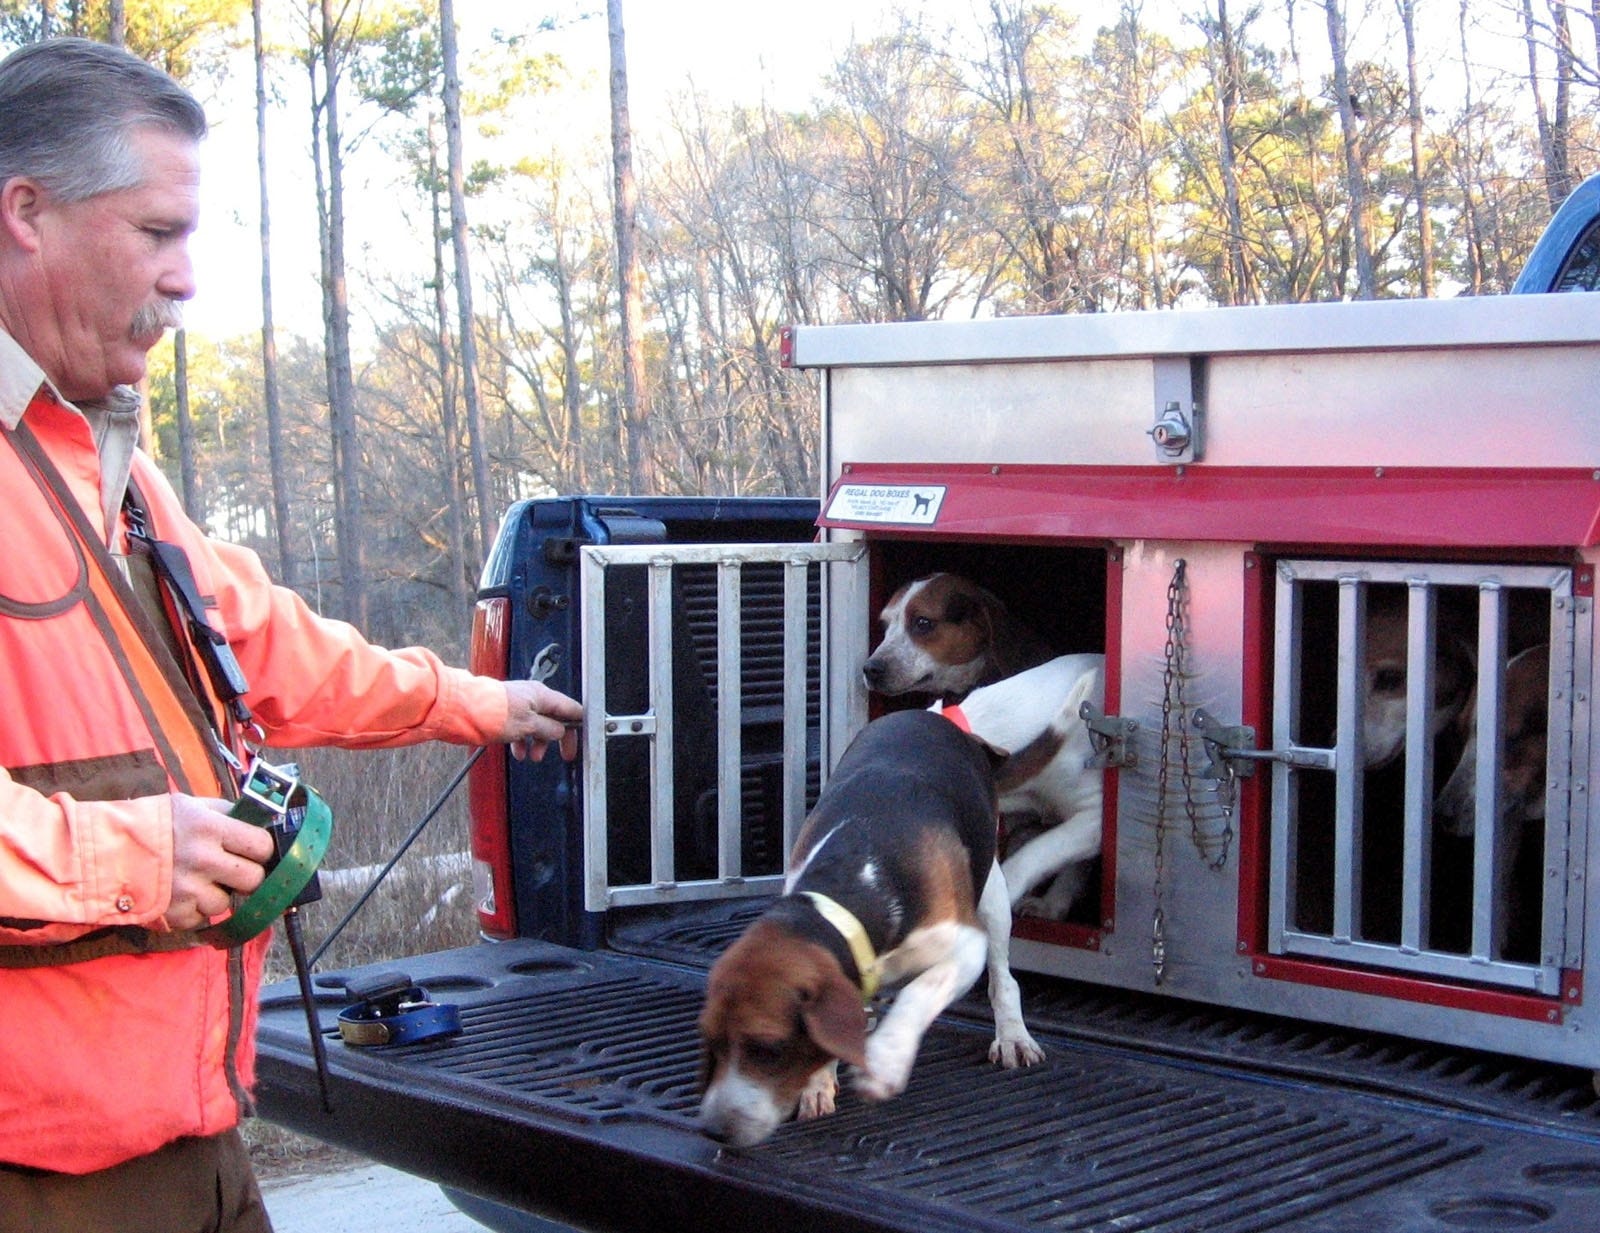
855, 936
958, 717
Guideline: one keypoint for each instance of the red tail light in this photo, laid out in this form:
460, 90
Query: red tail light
486, 785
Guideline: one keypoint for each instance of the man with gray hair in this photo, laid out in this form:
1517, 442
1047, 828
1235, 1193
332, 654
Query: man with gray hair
127, 1022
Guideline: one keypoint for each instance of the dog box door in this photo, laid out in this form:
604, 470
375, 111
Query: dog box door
1426, 823
718, 696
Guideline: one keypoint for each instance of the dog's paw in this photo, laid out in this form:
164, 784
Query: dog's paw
1037, 906
886, 1074
1014, 1049
878, 1087
818, 1097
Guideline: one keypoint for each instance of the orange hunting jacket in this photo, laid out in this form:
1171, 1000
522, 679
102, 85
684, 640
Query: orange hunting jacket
108, 1058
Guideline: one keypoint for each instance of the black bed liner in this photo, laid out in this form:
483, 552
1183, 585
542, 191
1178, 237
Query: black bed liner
573, 1089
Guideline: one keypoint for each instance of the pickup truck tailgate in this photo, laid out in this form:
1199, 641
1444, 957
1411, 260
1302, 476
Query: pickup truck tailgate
572, 1092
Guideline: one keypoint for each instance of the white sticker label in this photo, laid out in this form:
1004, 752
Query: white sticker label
909, 505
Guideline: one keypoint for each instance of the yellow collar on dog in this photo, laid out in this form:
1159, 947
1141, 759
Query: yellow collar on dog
855, 936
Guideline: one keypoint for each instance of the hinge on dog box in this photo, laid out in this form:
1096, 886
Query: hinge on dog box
1109, 735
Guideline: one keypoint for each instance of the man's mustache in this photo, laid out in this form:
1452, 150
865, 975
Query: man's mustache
152, 318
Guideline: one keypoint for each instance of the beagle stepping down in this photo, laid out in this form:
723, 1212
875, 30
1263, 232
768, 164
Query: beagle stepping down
893, 882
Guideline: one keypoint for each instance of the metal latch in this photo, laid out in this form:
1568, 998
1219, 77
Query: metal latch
1232, 749
1109, 736
1173, 432
1179, 391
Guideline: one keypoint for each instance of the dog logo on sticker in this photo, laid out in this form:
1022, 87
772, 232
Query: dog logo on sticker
900, 504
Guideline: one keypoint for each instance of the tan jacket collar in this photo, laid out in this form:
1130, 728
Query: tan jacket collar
113, 421
20, 379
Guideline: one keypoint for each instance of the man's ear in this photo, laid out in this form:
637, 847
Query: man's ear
21, 200
836, 1020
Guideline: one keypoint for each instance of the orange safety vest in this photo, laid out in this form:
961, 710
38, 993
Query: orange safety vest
109, 1058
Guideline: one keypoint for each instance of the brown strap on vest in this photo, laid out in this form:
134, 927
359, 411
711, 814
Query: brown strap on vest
185, 740
113, 940
186, 743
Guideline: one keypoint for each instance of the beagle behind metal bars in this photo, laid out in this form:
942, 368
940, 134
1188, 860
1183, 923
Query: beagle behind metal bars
893, 881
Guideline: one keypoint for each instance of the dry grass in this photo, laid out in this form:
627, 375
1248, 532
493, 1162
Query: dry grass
276, 1152
424, 905
377, 797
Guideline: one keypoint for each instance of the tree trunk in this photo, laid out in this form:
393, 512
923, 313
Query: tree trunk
455, 501
636, 425
116, 23
572, 380
1561, 123
1419, 179
1553, 131
1154, 292
1594, 20
188, 473
269, 342
1355, 175
320, 185
1472, 226
1239, 280
458, 235
336, 307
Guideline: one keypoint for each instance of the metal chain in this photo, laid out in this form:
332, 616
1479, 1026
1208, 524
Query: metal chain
1177, 672
1227, 797
1171, 693
1213, 850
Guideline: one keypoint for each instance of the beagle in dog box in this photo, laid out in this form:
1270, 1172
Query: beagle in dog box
1049, 790
943, 635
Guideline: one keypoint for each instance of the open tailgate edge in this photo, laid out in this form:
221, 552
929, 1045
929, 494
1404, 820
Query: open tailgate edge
573, 1088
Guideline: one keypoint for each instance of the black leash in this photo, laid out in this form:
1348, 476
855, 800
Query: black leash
543, 668
389, 1009
399, 852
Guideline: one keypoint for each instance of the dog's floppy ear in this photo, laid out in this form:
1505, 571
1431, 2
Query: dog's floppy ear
986, 612
836, 1020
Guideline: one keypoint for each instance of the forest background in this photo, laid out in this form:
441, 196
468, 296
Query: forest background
954, 160
500, 282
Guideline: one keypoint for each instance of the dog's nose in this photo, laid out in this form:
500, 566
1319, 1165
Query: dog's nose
872, 672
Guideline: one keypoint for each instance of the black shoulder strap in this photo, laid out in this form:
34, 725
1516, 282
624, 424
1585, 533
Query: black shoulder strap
210, 647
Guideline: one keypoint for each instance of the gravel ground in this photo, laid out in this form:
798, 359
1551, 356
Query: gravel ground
313, 1188
358, 1196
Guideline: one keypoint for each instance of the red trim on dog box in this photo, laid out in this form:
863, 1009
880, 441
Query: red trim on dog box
1332, 506
1113, 777
1056, 933
1255, 712
1411, 989
958, 717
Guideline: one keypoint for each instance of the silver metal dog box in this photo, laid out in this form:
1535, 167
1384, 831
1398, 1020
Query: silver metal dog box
1292, 532
1229, 503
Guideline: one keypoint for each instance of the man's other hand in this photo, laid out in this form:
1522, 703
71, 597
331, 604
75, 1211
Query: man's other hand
212, 854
